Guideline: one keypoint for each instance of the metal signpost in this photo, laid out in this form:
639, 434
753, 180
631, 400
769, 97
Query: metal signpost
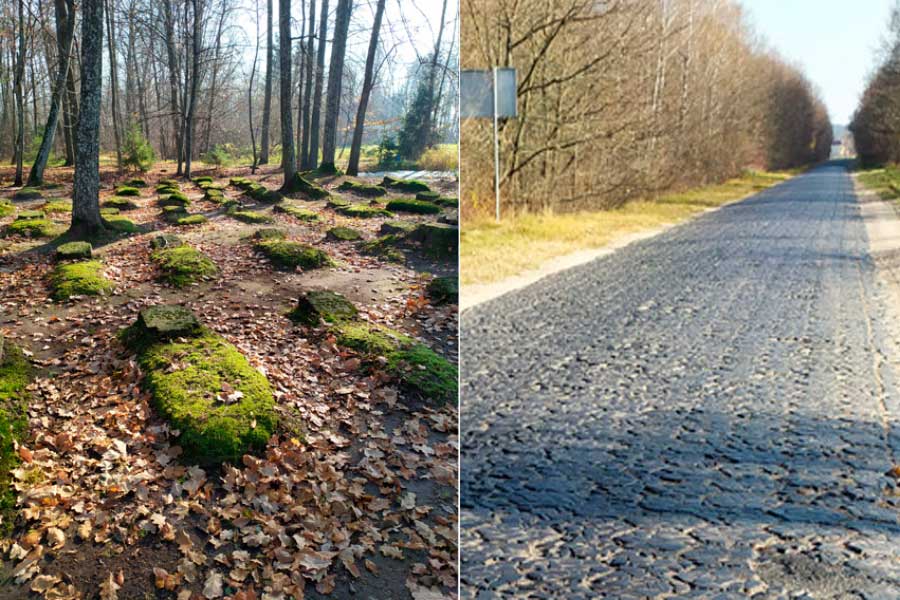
489, 95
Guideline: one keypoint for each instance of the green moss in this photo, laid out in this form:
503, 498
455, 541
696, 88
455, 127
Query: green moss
6, 208
120, 203
183, 265
191, 220
28, 193
362, 189
248, 216
285, 254
57, 206
437, 239
413, 206
166, 240
300, 185
370, 339
176, 199
216, 425
30, 215
304, 214
136, 182
74, 251
33, 228
337, 202
317, 306
127, 190
421, 369
430, 196
269, 233
169, 181
79, 279
214, 195
167, 189
448, 202
364, 211
397, 227
15, 374
443, 290
173, 214
385, 247
122, 224
240, 182
343, 234
405, 185
202, 179
108, 212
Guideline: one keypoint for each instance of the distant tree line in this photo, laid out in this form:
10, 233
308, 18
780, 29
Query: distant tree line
876, 123
624, 99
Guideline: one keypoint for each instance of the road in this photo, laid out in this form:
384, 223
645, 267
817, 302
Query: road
710, 413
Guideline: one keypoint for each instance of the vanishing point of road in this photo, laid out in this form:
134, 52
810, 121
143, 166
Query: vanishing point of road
710, 413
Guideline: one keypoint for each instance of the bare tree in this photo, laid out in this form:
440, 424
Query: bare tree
267, 104
286, 92
20, 103
368, 80
317, 93
335, 79
190, 125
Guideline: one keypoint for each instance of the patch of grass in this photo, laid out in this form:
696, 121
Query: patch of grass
286, 254
79, 279
184, 265
57, 206
74, 251
15, 374
364, 211
36, 228
119, 203
413, 206
443, 157
884, 181
127, 190
122, 225
490, 252
362, 189
248, 216
304, 214
191, 220
343, 234
216, 426
317, 306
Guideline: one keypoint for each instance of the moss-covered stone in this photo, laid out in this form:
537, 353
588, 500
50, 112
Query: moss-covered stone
248, 216
36, 228
300, 185
176, 199
28, 193
397, 227
15, 375
222, 406
443, 290
269, 233
362, 189
57, 206
304, 214
370, 339
214, 195
285, 254
108, 212
169, 181
240, 182
430, 196
203, 179
166, 240
172, 214
364, 211
161, 323
412, 186
413, 206
122, 225
120, 203
317, 306
437, 239
164, 190
6, 208
343, 234
74, 251
79, 279
337, 202
191, 220
384, 247
448, 202
127, 190
30, 215
136, 182
184, 265
427, 373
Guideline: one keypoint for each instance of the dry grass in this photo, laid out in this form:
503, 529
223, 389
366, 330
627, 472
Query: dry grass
491, 252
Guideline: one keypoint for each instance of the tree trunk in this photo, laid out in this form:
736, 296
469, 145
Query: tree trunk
284, 67
267, 103
215, 78
356, 144
250, 93
335, 78
86, 220
70, 111
20, 101
114, 83
307, 92
174, 90
190, 126
317, 94
65, 25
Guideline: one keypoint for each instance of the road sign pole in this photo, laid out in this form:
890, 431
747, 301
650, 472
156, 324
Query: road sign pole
496, 149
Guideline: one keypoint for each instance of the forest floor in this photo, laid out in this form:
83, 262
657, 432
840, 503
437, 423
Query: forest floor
356, 492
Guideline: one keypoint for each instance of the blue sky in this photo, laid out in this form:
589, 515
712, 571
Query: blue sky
834, 41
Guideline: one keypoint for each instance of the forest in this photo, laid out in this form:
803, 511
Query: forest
629, 100
228, 299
